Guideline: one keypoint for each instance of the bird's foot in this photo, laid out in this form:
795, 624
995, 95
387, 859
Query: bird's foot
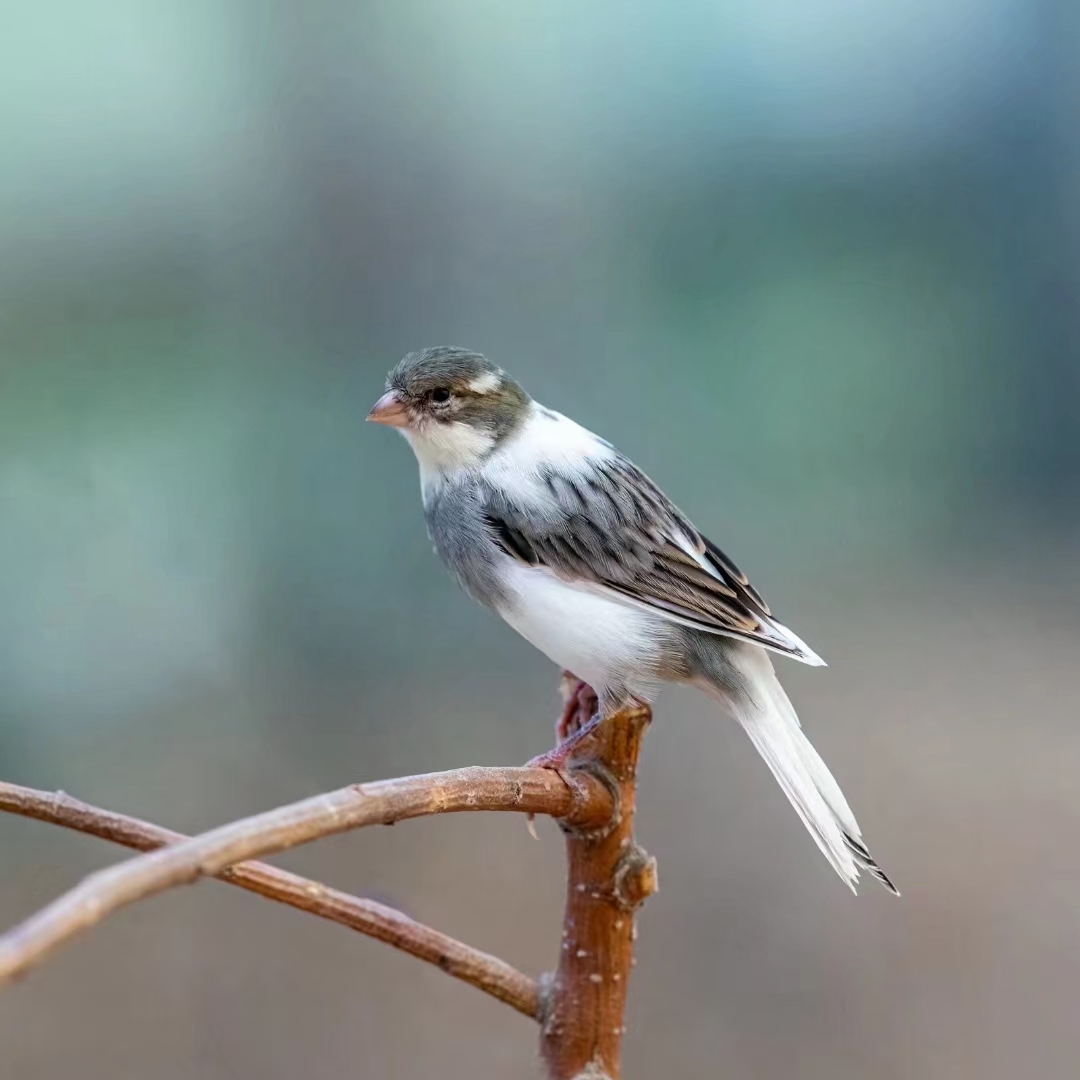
581, 706
559, 758
580, 718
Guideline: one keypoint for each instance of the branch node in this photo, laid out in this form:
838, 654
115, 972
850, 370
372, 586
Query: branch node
571, 825
635, 878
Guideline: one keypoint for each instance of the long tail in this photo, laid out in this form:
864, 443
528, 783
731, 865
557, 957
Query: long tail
763, 709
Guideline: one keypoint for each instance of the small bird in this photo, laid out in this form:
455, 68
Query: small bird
579, 551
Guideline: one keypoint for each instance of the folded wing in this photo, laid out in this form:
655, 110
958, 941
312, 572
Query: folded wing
607, 527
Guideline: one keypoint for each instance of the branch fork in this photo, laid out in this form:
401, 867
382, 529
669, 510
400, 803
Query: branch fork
581, 1007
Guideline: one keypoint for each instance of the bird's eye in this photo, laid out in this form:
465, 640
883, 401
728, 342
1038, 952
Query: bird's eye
440, 395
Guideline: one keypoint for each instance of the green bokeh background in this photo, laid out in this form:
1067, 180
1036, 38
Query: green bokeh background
812, 263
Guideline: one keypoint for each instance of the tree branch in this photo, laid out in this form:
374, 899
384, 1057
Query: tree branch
608, 877
580, 800
581, 1007
479, 969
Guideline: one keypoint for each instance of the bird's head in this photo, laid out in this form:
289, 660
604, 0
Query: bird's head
453, 405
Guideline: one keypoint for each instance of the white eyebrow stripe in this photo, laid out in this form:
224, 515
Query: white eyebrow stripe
484, 384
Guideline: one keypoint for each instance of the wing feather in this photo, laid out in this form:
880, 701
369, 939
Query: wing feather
609, 528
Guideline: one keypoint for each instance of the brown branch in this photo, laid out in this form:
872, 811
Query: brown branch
582, 801
609, 876
581, 1007
479, 969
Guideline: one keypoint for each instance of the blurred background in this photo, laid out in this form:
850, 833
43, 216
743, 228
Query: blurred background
813, 263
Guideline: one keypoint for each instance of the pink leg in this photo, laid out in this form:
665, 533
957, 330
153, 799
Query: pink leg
580, 718
581, 705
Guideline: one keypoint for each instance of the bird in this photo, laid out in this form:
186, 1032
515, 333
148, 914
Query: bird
561, 535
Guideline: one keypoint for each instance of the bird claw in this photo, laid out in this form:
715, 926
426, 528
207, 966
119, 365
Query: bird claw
559, 758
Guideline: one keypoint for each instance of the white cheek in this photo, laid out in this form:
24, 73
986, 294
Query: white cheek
443, 449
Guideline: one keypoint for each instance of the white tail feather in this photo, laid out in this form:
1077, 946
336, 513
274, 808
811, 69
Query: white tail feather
765, 712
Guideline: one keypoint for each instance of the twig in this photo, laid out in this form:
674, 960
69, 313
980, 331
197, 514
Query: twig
479, 969
608, 877
582, 802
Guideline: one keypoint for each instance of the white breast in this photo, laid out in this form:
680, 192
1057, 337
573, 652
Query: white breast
601, 641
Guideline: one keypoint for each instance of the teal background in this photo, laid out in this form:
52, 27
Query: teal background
812, 263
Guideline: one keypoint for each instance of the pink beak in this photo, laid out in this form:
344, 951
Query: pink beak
390, 410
